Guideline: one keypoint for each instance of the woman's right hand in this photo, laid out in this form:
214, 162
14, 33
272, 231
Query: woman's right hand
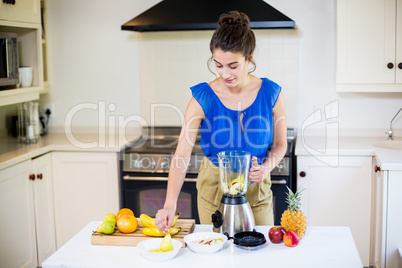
164, 218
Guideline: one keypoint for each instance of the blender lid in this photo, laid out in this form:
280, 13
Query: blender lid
249, 239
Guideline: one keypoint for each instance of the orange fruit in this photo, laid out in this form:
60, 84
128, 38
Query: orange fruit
124, 211
127, 223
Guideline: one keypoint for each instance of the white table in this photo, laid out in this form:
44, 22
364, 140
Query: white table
320, 247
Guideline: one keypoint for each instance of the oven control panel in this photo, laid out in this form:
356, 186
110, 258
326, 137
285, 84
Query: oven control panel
282, 169
158, 163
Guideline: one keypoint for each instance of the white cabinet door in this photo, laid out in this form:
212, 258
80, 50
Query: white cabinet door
394, 220
368, 40
338, 196
399, 42
44, 208
365, 41
85, 189
17, 225
380, 190
21, 11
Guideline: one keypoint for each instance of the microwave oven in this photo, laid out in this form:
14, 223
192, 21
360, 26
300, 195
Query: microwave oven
8, 59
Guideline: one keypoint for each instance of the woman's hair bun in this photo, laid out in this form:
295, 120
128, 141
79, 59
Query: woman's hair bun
234, 17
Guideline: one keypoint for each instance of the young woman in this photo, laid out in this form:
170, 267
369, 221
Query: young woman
236, 111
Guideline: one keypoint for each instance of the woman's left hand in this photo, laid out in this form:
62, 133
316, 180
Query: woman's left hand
257, 172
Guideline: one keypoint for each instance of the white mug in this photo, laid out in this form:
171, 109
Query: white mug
26, 76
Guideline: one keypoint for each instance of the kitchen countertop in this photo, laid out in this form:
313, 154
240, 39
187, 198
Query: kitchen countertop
12, 152
388, 159
320, 247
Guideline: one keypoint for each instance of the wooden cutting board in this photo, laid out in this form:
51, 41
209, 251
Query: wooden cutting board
132, 239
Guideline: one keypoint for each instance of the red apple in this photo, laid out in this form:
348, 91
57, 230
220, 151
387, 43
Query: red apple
291, 238
275, 234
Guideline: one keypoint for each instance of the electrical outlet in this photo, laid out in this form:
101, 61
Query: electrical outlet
50, 106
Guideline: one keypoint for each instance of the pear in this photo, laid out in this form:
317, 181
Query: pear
100, 228
166, 244
108, 227
110, 217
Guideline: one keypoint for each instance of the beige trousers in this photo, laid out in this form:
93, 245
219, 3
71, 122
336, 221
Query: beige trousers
209, 195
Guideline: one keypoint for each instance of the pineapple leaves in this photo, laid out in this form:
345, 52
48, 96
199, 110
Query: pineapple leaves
293, 199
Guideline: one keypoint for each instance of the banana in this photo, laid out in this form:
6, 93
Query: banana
147, 221
175, 219
153, 231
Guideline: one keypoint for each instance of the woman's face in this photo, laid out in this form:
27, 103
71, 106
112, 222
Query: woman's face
231, 66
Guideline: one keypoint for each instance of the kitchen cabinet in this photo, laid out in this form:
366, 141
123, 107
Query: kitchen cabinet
380, 212
44, 208
388, 218
85, 188
338, 196
21, 11
30, 48
44, 47
368, 40
27, 225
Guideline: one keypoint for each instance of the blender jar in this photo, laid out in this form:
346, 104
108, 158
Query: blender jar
234, 167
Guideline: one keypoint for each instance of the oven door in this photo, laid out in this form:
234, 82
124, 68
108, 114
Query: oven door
145, 193
279, 192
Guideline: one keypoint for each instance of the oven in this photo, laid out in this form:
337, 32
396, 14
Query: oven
284, 174
144, 168
144, 173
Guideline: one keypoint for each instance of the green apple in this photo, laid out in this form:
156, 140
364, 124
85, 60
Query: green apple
110, 217
108, 227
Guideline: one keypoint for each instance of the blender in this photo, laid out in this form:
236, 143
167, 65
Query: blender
234, 214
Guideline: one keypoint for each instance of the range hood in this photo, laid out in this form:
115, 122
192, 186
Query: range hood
185, 15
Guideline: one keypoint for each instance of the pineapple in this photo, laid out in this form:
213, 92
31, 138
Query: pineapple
293, 218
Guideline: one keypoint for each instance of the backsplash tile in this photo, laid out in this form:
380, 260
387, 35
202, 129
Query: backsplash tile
171, 62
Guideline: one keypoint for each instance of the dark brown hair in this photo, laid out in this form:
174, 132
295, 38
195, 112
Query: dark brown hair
234, 35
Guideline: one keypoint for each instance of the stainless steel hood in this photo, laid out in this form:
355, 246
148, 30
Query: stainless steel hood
185, 15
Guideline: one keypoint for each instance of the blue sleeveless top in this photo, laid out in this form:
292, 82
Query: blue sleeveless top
221, 128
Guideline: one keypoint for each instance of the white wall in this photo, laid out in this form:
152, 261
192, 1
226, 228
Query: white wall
172, 62
91, 61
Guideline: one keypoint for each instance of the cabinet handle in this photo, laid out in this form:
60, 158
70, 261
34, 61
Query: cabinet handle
390, 65
377, 168
400, 65
302, 174
32, 177
39, 176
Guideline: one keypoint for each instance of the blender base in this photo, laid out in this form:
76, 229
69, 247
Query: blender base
232, 219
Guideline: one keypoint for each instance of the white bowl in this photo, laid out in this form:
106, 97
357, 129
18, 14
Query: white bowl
154, 243
204, 249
